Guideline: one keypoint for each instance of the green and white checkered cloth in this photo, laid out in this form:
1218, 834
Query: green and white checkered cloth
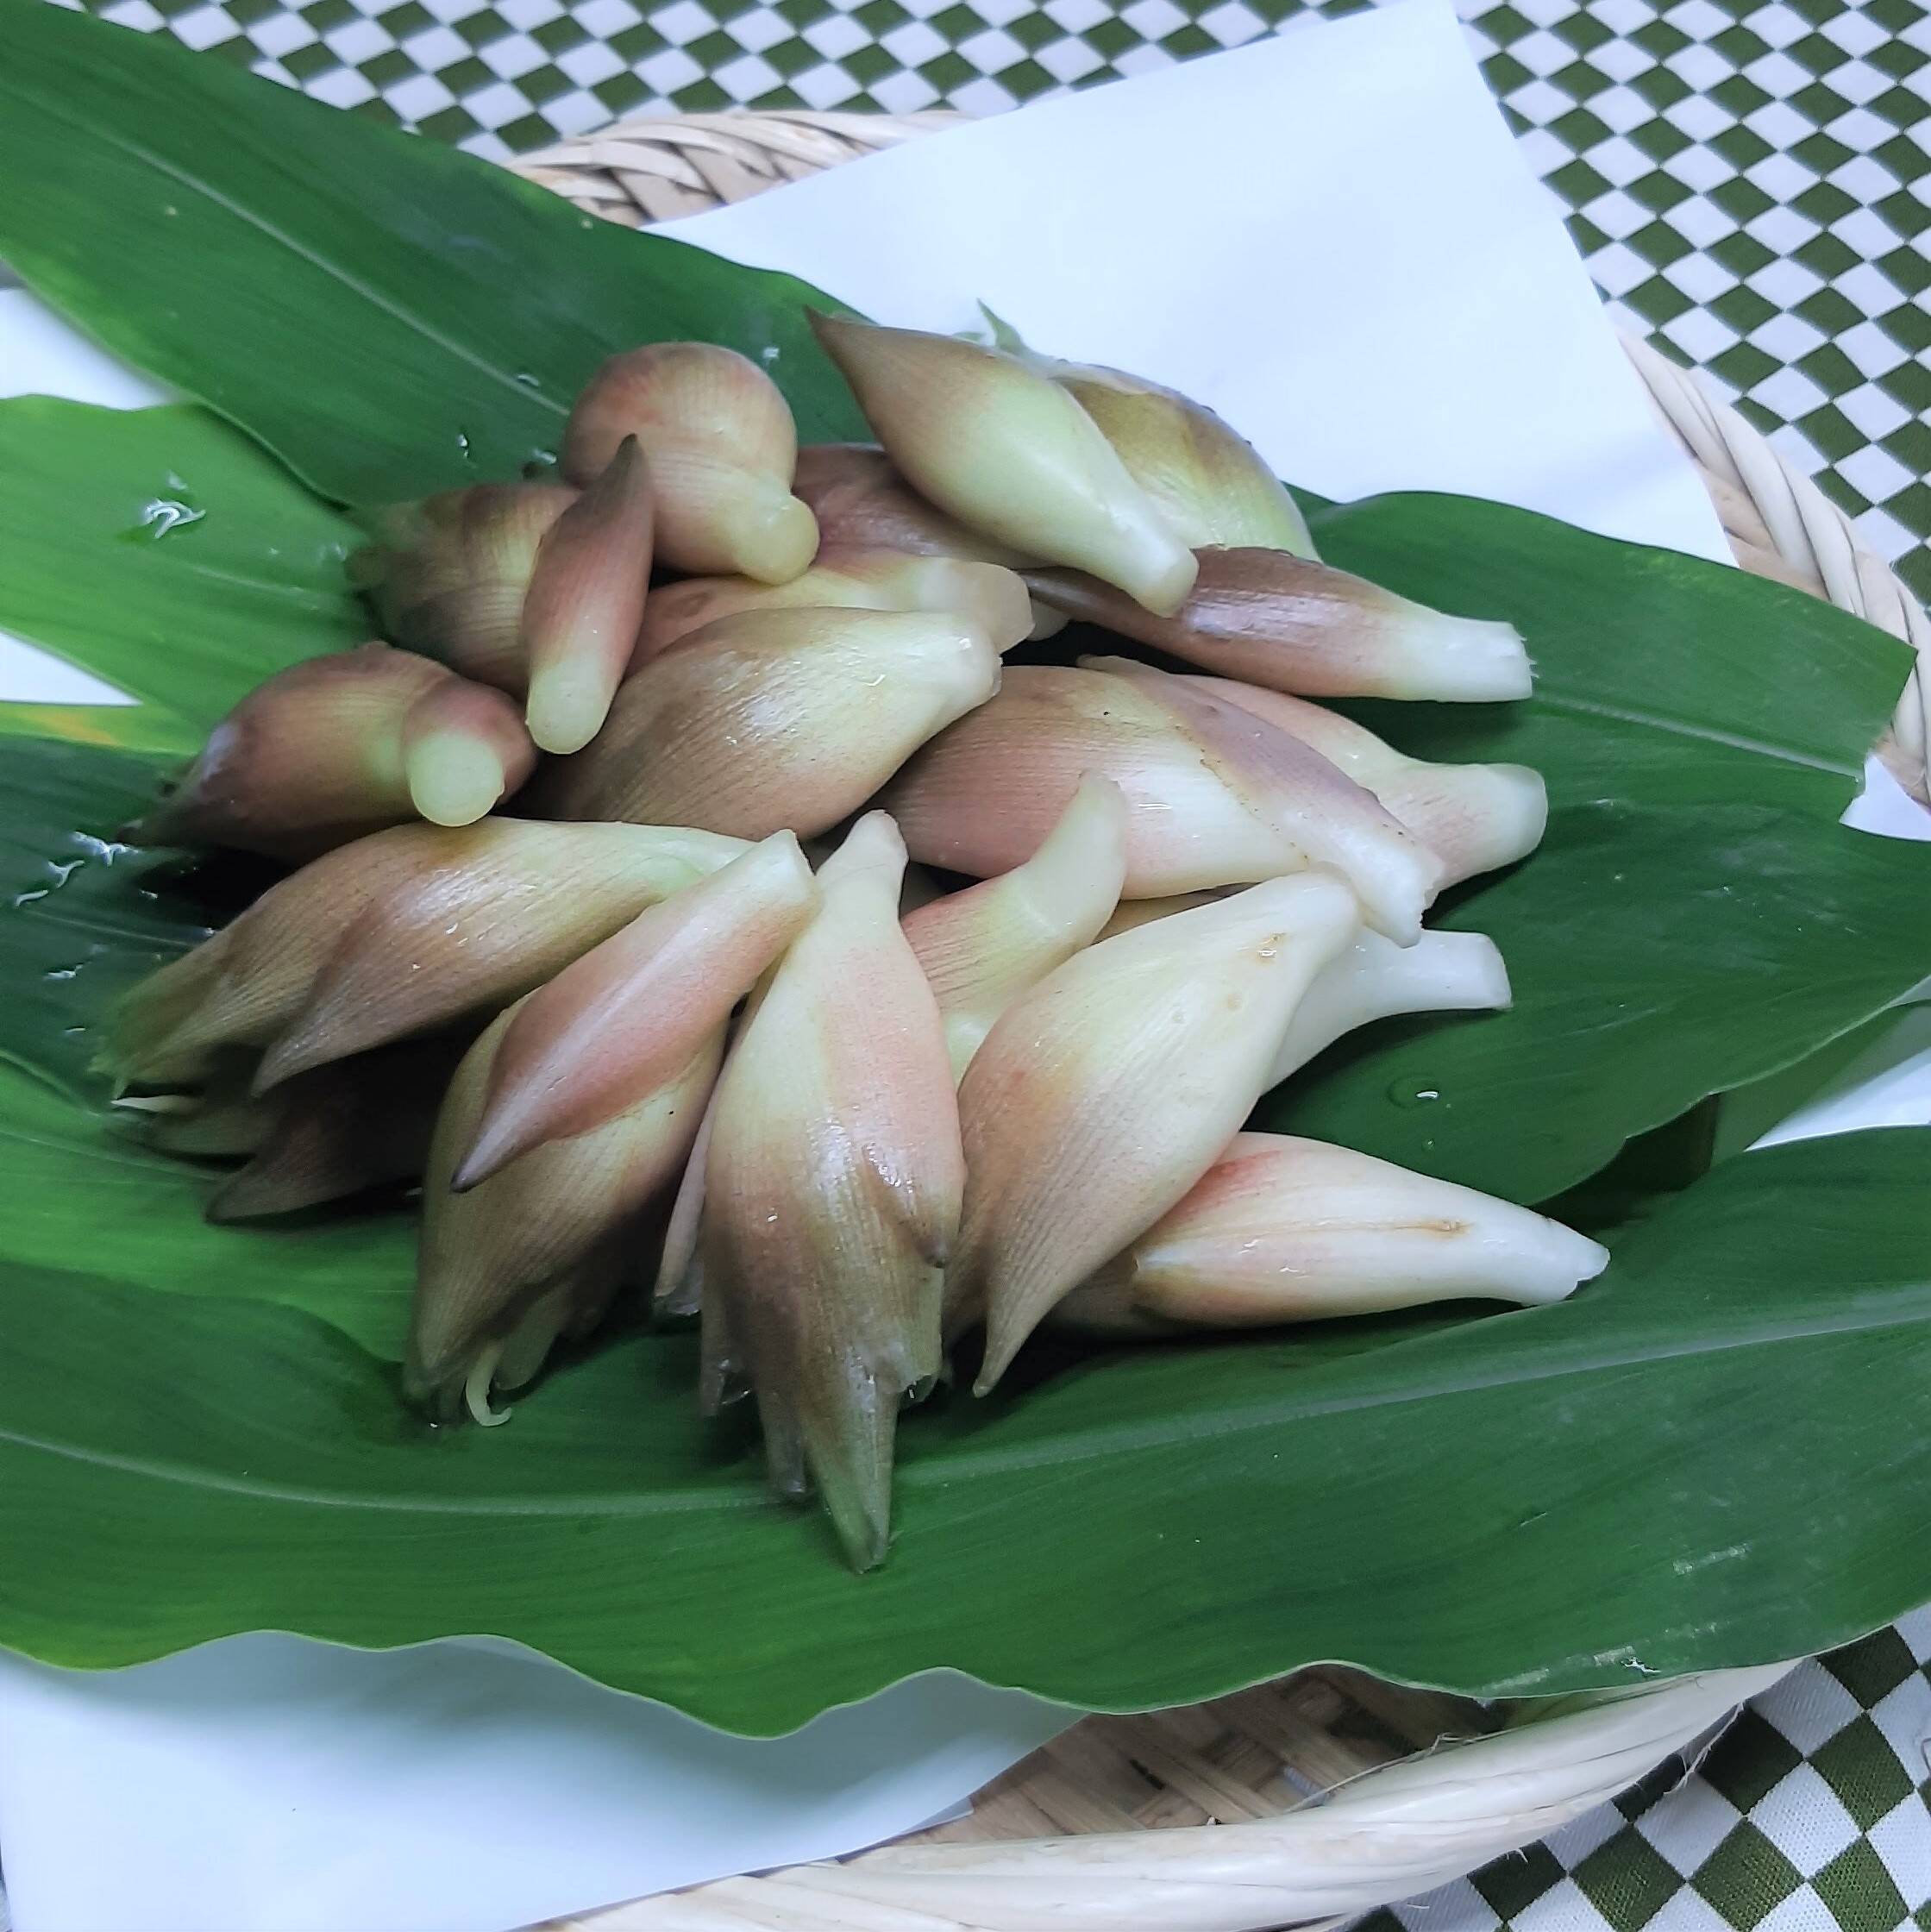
1750, 184
1748, 181
1812, 1813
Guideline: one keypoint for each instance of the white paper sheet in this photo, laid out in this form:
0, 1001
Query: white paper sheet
40, 355
268, 1784
1389, 302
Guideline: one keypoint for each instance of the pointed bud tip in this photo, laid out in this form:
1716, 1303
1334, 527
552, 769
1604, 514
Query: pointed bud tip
437, 1392
777, 537
1485, 660
990, 1371
566, 708
871, 1552
1165, 586
1481, 974
1517, 799
463, 1389
1101, 798
872, 840
1007, 1333
477, 1165
864, 1534
1578, 1255
453, 779
850, 1463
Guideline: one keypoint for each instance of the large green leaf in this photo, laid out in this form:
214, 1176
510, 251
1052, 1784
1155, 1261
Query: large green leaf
389, 316
220, 1407
1660, 679
145, 730
1576, 1496
82, 916
165, 553
1657, 955
77, 1188
1694, 918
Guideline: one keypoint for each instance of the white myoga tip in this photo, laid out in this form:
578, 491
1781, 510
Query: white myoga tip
453, 779
778, 536
476, 1388
1481, 659
566, 710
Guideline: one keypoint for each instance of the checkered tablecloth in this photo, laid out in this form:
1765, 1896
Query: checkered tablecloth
1812, 1813
1749, 180
1750, 184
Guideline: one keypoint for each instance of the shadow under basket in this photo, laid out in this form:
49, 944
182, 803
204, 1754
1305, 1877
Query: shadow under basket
1327, 1793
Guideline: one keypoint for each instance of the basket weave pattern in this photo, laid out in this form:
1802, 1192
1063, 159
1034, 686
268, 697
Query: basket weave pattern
1255, 1756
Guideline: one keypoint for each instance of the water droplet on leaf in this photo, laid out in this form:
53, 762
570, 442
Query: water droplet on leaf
1413, 1093
161, 515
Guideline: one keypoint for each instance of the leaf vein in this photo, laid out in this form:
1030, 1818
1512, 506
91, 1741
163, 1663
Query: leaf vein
1708, 734
373, 295
659, 1502
1111, 1440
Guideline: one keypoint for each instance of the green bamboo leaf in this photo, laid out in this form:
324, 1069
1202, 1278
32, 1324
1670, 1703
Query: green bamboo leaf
1695, 920
1661, 680
82, 916
1657, 955
142, 729
1093, 1539
389, 316
75, 1184
167, 555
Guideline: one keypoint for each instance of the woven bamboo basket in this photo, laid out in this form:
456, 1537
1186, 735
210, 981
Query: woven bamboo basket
1317, 1797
